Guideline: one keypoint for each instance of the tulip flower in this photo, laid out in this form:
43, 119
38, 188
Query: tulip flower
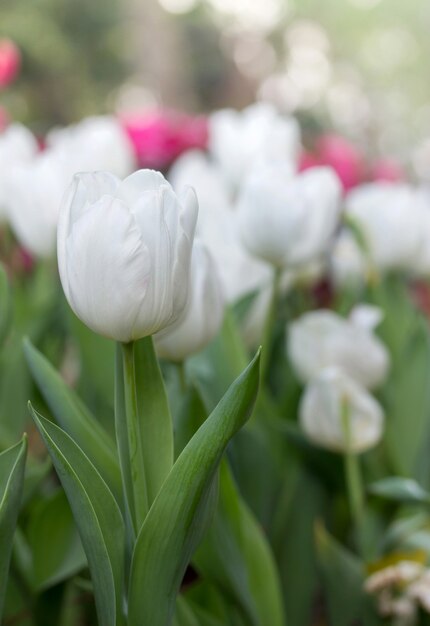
124, 251
322, 413
10, 62
17, 146
389, 217
95, 143
239, 141
289, 221
348, 267
34, 193
203, 314
322, 339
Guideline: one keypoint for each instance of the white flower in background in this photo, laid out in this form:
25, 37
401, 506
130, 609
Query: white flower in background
389, 216
203, 314
241, 140
421, 266
289, 221
95, 143
322, 413
35, 190
399, 589
124, 250
348, 267
17, 146
321, 339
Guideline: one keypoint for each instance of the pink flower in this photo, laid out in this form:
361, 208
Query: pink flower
387, 170
336, 152
10, 62
160, 137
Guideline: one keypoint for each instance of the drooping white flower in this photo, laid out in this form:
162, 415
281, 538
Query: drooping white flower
124, 250
203, 313
321, 339
241, 140
331, 397
289, 221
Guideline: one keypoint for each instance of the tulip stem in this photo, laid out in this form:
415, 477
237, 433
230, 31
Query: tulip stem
354, 481
269, 323
133, 464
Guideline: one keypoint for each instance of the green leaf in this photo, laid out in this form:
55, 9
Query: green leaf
400, 489
5, 305
342, 577
12, 465
74, 417
155, 421
56, 548
97, 517
173, 527
184, 615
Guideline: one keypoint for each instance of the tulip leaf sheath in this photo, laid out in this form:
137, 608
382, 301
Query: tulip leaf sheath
97, 517
12, 465
75, 418
173, 527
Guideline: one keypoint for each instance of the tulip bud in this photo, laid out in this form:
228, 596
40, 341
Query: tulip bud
348, 267
322, 339
289, 221
203, 314
10, 62
124, 251
330, 399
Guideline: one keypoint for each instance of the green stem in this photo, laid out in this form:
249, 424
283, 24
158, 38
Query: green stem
134, 464
269, 323
182, 375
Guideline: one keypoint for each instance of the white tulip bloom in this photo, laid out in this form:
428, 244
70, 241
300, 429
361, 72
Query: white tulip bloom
330, 397
321, 339
95, 143
241, 140
348, 266
124, 250
203, 314
35, 191
17, 146
389, 218
289, 221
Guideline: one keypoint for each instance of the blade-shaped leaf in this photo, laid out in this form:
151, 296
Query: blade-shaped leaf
400, 489
155, 421
173, 528
12, 464
74, 417
97, 517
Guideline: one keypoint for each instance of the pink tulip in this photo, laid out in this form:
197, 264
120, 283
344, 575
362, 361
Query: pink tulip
10, 62
387, 170
160, 137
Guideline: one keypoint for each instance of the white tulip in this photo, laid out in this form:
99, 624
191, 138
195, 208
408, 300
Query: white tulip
17, 146
322, 338
348, 267
328, 399
124, 251
203, 314
95, 143
389, 218
239, 141
35, 191
289, 221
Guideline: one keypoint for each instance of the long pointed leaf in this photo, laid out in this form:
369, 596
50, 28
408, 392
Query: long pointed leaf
173, 528
12, 464
74, 417
97, 517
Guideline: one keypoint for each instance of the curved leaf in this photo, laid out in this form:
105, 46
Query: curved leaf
12, 465
97, 517
173, 526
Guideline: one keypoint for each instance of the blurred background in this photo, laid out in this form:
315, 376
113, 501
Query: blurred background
358, 66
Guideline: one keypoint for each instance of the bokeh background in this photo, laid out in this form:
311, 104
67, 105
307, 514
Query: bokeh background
359, 66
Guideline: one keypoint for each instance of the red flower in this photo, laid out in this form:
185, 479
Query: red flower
10, 62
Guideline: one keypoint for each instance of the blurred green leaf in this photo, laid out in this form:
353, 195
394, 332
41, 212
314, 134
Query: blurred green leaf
400, 489
12, 465
5, 305
97, 517
173, 527
74, 417
56, 548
